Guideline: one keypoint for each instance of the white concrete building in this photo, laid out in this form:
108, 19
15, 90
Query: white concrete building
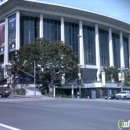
99, 40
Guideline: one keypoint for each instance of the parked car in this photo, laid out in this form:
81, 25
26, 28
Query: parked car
123, 95
5, 93
111, 96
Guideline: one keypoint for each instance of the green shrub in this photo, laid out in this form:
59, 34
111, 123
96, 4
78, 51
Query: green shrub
62, 95
20, 91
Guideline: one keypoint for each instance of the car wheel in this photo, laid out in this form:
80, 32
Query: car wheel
117, 98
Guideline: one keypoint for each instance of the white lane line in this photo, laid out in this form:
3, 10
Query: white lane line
9, 127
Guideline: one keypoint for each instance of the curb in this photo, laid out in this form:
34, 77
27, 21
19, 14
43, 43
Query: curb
25, 96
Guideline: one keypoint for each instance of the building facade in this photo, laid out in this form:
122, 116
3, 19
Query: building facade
98, 40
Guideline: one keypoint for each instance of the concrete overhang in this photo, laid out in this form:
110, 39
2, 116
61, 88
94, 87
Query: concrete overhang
37, 7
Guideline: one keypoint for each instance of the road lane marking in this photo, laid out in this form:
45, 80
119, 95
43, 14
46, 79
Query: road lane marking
9, 127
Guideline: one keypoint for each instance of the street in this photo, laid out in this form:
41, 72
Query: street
62, 114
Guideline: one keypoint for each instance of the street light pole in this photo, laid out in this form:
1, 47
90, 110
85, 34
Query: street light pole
79, 82
35, 73
79, 73
34, 79
79, 48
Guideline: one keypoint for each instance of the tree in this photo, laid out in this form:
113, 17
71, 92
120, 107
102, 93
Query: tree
111, 73
127, 78
53, 59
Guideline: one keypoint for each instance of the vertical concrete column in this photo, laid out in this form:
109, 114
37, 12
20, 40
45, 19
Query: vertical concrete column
17, 30
81, 45
41, 26
6, 52
97, 51
122, 63
111, 60
129, 49
62, 30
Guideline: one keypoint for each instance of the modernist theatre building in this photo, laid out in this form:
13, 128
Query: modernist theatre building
102, 40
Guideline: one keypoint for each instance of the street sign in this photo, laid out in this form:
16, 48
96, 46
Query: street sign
121, 77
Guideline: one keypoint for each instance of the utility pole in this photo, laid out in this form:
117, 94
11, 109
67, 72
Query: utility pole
34, 76
34, 79
79, 73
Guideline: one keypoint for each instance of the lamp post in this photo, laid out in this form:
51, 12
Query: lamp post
79, 36
79, 79
122, 76
34, 79
79, 73
8, 69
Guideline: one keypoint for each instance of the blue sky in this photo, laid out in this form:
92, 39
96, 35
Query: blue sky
119, 9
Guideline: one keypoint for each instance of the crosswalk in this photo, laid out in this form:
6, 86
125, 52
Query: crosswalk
7, 127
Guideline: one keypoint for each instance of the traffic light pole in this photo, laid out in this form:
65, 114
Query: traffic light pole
79, 82
34, 76
34, 79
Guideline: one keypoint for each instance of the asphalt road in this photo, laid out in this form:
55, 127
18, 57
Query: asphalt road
62, 114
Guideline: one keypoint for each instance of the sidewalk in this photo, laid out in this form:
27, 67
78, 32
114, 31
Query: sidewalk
27, 96
30, 94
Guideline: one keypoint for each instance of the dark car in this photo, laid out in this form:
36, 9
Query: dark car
5, 93
111, 96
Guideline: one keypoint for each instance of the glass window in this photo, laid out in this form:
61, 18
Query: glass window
29, 29
52, 29
104, 47
1, 59
31, 37
36, 22
116, 50
26, 32
26, 21
126, 52
89, 45
26, 41
71, 38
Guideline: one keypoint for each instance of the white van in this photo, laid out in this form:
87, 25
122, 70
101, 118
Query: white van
123, 95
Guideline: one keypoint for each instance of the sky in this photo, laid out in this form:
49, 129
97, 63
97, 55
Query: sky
118, 9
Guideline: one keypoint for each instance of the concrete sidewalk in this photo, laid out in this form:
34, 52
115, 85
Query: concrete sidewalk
29, 94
